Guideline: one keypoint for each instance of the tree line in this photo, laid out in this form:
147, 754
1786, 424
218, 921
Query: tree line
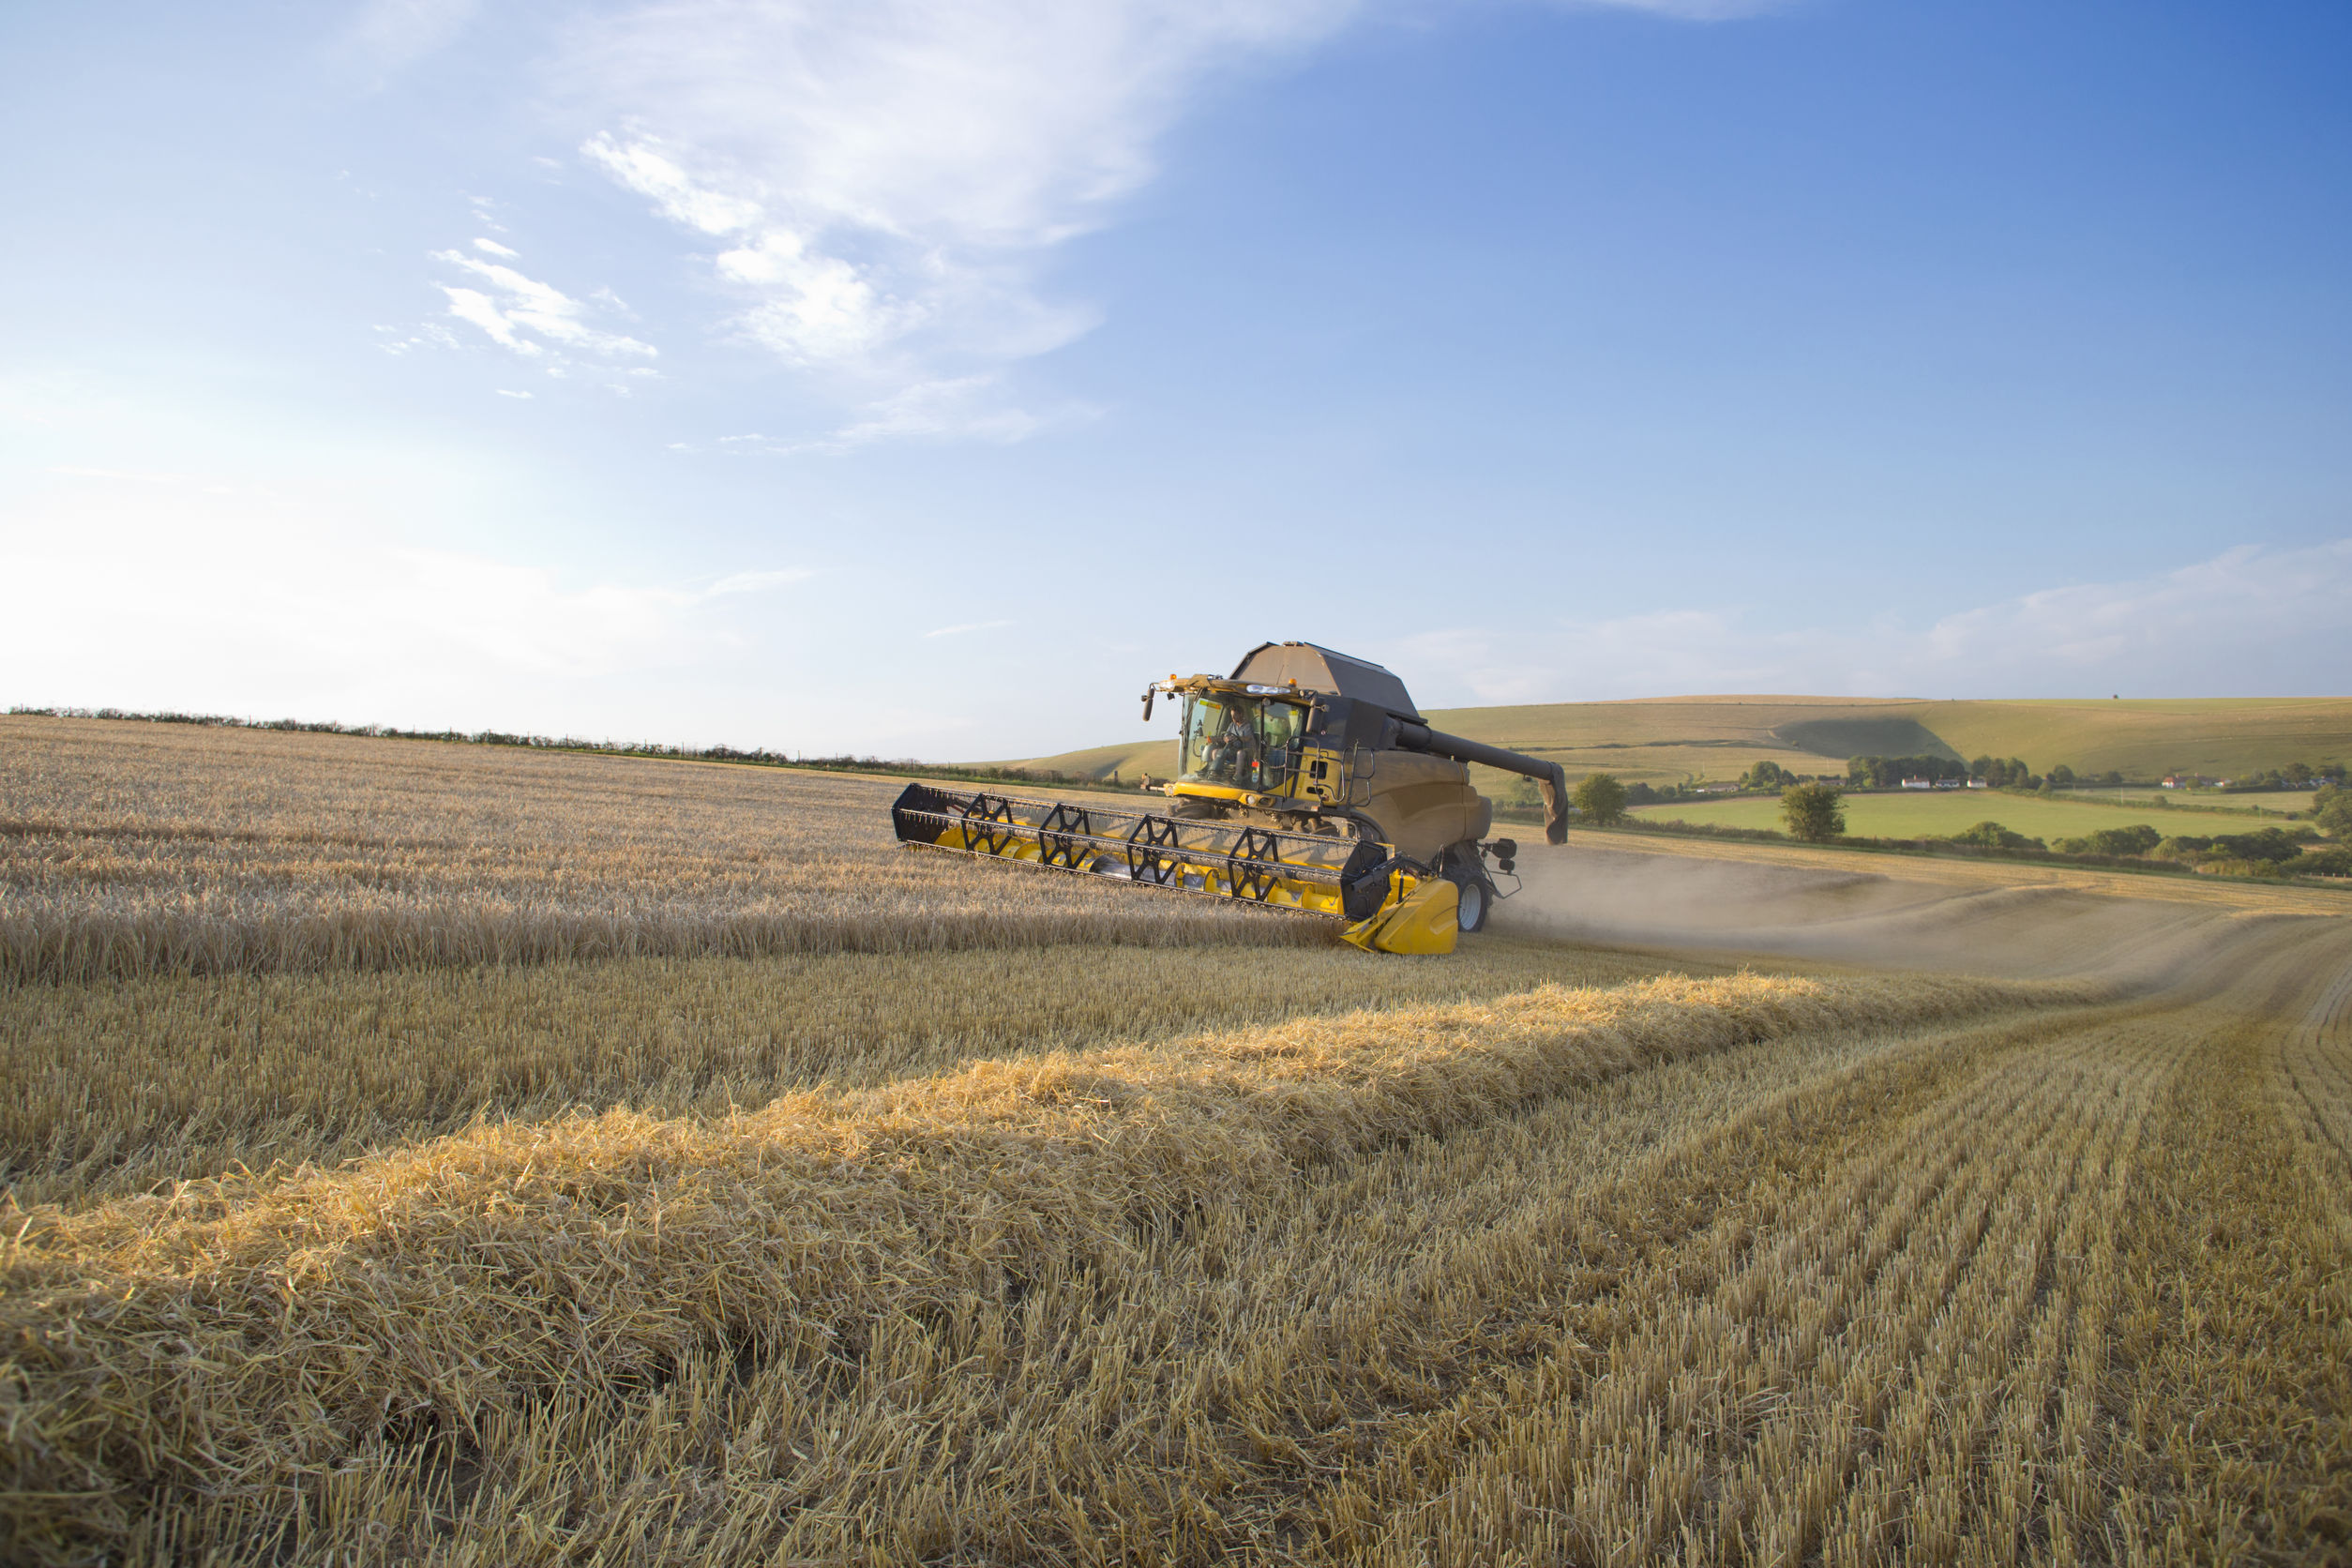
1813, 812
2000, 773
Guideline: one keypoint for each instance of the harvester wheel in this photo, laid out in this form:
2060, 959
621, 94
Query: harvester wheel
1461, 866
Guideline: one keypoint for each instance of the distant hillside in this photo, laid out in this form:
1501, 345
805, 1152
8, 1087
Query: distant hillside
1664, 740
1158, 758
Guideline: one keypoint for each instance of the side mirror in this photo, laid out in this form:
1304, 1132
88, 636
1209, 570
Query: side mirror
1147, 704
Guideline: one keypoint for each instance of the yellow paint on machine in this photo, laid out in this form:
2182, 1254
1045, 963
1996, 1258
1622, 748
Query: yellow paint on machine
1201, 875
1426, 921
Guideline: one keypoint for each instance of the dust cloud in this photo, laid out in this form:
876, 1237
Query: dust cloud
1879, 919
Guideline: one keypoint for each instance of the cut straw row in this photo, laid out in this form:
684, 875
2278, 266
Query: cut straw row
160, 1350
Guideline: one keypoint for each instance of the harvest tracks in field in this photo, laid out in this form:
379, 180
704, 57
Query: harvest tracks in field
1542, 1254
1863, 1269
129, 850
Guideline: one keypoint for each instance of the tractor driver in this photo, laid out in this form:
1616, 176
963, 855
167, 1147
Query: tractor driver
1230, 753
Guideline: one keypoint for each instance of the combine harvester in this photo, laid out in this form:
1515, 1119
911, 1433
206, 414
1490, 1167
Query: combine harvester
1307, 781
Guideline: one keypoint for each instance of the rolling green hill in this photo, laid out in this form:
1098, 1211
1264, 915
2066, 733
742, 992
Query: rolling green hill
1666, 740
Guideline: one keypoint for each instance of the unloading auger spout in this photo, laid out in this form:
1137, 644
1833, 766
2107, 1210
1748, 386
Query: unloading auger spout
1306, 781
1551, 779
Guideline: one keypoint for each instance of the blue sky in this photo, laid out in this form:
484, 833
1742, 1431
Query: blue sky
922, 379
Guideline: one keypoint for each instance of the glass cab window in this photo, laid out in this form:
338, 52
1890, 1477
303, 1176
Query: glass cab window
1246, 742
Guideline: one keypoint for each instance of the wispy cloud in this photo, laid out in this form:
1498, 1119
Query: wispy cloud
877, 184
968, 408
966, 627
2272, 619
880, 182
527, 316
2212, 613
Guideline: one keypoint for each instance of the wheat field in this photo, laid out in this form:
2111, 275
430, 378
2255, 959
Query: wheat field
132, 849
1181, 1249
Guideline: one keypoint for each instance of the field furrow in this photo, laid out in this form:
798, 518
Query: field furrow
178, 1078
822, 1237
2232, 1363
2010, 1225
134, 851
1735, 1414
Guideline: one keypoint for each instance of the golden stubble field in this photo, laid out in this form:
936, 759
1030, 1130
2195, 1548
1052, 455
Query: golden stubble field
132, 849
1207, 1242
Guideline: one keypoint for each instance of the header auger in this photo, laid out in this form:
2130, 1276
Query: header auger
1306, 781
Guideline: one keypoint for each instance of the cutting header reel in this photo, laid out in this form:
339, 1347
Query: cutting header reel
1307, 781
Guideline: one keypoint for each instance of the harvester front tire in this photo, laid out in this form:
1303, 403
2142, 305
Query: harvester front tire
1474, 903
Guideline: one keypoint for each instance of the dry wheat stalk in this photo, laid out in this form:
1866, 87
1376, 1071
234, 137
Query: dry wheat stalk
608, 1251
129, 850
1731, 1267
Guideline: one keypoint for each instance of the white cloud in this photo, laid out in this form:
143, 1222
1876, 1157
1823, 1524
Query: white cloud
967, 627
477, 309
640, 167
400, 339
527, 304
2254, 620
882, 308
1661, 653
508, 392
535, 320
968, 408
879, 184
884, 180
2213, 613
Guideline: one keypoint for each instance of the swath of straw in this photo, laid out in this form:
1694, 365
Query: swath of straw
179, 1344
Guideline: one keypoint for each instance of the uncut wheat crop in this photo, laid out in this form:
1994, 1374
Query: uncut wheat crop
1202, 1251
135, 849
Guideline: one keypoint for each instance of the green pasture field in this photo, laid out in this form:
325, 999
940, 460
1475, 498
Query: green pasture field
2261, 803
1933, 813
1666, 740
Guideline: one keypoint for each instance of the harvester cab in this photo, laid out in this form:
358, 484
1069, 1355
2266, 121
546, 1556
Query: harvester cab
1306, 781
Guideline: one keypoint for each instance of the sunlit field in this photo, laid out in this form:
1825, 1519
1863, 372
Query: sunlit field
135, 849
976, 1215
